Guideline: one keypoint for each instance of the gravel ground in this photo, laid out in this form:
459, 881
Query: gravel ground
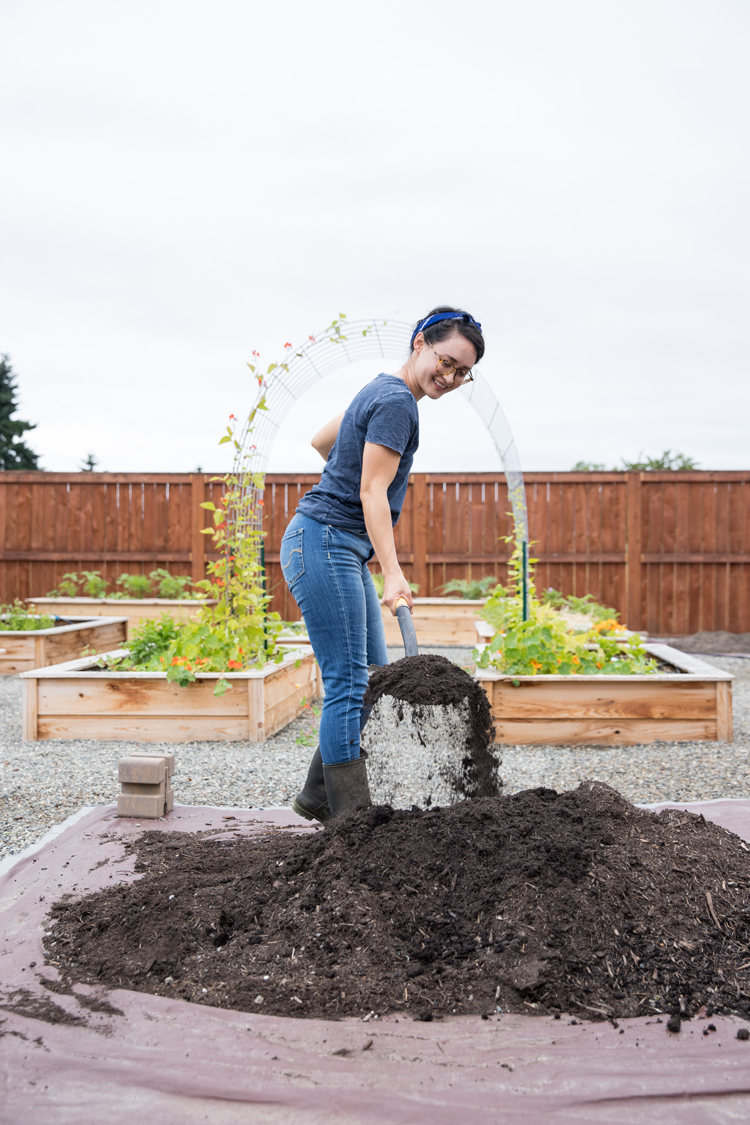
43, 783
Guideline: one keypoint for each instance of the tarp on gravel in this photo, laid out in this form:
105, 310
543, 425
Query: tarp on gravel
170, 1061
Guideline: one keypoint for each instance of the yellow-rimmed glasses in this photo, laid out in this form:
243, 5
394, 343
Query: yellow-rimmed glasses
448, 367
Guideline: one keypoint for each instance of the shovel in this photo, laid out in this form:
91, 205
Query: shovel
406, 624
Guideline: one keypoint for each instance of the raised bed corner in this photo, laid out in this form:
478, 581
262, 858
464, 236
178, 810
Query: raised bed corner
73, 701
694, 703
24, 649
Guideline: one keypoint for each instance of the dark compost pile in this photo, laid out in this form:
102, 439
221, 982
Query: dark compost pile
536, 902
433, 680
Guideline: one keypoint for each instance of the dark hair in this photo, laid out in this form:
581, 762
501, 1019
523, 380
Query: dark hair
464, 324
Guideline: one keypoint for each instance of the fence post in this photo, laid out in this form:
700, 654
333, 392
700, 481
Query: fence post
634, 549
419, 532
197, 541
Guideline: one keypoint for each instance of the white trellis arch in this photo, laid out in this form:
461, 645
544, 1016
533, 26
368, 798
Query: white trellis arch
347, 342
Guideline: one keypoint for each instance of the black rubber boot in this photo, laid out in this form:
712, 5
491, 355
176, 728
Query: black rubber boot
347, 785
312, 802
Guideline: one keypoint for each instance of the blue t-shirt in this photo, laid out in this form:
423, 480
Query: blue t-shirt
384, 413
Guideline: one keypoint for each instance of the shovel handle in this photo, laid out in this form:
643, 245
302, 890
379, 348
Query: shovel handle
408, 632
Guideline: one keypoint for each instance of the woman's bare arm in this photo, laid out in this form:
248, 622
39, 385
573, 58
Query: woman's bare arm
379, 467
324, 439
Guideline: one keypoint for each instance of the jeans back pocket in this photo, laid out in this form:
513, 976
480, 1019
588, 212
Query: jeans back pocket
292, 560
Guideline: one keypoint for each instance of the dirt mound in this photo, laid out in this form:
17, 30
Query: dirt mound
433, 680
535, 902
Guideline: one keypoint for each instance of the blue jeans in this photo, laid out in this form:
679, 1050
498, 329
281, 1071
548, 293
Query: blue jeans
326, 570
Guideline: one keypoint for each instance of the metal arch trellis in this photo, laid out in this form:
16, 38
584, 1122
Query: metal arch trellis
342, 344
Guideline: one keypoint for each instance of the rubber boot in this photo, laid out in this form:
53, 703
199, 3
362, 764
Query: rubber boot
347, 785
312, 801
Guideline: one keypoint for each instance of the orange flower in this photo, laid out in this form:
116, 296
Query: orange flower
287, 345
234, 664
610, 625
575, 660
535, 665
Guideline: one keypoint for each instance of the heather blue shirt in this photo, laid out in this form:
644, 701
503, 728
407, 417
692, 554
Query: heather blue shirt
384, 413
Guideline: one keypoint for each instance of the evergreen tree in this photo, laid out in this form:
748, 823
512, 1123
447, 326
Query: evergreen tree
14, 453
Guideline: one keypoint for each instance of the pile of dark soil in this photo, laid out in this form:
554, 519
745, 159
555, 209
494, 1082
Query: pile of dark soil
536, 902
431, 680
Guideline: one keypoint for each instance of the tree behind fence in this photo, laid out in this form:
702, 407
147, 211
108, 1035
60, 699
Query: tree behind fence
670, 551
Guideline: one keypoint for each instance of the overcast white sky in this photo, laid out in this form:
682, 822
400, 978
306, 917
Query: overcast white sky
185, 182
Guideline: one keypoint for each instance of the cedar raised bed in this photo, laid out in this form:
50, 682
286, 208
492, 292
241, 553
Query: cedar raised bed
438, 621
694, 703
71, 701
134, 610
24, 649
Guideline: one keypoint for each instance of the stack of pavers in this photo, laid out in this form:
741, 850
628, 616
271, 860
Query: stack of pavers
146, 781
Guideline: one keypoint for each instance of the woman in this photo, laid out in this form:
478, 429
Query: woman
346, 519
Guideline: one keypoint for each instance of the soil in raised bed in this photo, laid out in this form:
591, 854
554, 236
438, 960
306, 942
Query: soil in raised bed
537, 902
431, 680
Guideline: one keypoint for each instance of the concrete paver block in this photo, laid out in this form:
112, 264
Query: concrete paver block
140, 770
133, 789
166, 755
147, 808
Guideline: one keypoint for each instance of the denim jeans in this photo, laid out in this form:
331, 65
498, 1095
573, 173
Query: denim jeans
326, 570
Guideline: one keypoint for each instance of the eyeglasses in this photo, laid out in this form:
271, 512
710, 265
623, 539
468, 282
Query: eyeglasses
448, 367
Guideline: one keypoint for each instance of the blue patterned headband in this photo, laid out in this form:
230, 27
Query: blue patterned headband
443, 316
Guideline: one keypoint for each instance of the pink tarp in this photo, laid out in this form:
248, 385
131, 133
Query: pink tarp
169, 1061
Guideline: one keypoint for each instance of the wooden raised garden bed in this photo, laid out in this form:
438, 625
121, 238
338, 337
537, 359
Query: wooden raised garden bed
73, 700
24, 649
690, 704
134, 610
438, 621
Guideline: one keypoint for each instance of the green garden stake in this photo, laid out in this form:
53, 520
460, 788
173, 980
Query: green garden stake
525, 561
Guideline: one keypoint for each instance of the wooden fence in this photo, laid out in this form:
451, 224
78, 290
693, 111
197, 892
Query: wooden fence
671, 551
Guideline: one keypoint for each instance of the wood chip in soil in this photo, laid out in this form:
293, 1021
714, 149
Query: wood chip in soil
538, 902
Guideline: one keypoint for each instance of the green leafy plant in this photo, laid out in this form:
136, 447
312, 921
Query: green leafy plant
67, 587
150, 644
585, 605
543, 644
379, 582
172, 586
667, 462
18, 617
298, 627
308, 736
135, 585
94, 586
159, 583
472, 588
237, 632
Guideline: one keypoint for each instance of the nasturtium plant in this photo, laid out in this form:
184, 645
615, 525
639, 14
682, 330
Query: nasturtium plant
544, 644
